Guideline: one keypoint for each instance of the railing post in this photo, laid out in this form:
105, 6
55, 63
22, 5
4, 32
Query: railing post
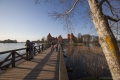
39, 49
13, 59
47, 46
42, 47
34, 50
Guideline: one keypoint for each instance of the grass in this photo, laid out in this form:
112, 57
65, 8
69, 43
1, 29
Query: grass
95, 78
89, 59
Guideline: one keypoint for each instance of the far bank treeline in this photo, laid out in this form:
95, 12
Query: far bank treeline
85, 38
8, 41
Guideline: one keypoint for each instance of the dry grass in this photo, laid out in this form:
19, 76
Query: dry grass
90, 60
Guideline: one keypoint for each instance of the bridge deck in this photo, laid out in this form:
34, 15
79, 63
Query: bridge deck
44, 66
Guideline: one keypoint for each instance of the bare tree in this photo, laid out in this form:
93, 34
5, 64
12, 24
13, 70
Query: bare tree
43, 39
94, 38
87, 38
105, 15
79, 38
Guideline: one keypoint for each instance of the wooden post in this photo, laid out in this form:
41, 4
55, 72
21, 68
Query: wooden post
42, 47
39, 49
13, 59
34, 50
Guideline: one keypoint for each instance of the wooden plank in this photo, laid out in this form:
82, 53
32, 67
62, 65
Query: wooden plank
44, 66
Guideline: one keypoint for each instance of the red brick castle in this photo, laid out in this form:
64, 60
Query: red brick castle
70, 37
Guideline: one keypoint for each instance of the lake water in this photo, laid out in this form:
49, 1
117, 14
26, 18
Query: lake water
11, 46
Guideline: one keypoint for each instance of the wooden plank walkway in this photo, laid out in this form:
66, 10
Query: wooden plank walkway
44, 66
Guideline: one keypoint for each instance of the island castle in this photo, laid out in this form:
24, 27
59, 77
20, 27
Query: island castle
70, 37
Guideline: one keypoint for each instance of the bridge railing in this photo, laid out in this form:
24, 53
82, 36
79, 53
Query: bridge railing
62, 66
13, 56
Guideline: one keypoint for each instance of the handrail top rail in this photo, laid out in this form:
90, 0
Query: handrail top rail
15, 50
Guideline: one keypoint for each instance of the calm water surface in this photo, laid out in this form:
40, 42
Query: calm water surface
11, 46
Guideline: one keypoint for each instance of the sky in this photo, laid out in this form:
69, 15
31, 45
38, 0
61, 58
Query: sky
23, 19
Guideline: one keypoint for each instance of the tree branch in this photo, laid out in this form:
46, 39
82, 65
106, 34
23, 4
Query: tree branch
112, 24
72, 7
100, 4
36, 1
109, 6
112, 19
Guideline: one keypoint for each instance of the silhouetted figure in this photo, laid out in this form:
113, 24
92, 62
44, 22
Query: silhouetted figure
27, 49
52, 46
56, 47
31, 50
59, 46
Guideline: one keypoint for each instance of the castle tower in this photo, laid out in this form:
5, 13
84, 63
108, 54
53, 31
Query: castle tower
60, 38
68, 36
71, 36
49, 37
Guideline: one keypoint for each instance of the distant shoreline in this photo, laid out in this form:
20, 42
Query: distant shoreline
12, 42
9, 42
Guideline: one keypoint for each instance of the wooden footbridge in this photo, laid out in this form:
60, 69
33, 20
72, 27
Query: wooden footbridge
46, 65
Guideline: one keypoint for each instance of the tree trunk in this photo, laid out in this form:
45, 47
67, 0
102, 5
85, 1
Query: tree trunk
106, 39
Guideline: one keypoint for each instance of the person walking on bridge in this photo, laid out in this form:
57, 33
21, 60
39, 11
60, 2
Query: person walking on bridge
52, 46
56, 47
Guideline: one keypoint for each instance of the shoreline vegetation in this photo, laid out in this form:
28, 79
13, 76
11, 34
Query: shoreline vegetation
9, 41
87, 62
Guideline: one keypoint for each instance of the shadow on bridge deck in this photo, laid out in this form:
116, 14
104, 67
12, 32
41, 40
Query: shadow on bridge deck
44, 66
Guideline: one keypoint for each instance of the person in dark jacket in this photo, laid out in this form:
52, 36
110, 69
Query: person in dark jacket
52, 46
32, 50
27, 49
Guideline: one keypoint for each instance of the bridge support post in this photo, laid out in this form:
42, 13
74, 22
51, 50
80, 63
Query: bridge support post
39, 49
34, 50
13, 59
42, 47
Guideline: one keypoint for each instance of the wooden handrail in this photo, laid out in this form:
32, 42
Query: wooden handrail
16, 50
62, 66
15, 55
11, 50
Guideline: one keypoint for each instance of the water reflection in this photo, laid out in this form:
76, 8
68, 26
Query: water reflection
86, 61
